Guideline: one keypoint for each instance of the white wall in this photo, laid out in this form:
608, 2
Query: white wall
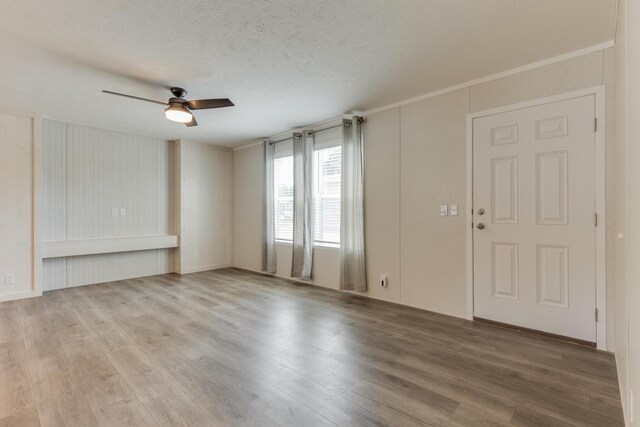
627, 169
247, 208
633, 192
415, 158
18, 176
382, 203
621, 253
433, 172
87, 173
205, 207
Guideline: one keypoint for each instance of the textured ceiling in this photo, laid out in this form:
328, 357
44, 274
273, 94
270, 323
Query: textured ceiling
284, 63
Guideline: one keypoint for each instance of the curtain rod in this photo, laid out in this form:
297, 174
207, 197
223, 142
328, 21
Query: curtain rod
310, 132
280, 140
327, 128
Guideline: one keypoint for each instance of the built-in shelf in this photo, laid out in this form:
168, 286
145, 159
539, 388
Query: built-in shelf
67, 248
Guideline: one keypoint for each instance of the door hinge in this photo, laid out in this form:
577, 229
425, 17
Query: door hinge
596, 314
595, 218
595, 125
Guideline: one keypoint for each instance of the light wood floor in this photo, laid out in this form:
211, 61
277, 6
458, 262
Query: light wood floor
233, 348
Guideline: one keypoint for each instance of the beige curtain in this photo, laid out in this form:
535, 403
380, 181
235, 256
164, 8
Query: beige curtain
269, 259
303, 206
352, 250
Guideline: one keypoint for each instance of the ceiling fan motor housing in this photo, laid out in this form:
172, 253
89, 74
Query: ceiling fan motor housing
178, 101
178, 92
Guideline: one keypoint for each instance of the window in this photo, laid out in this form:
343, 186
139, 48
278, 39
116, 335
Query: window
326, 187
327, 162
283, 193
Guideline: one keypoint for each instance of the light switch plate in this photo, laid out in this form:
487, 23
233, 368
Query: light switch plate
454, 210
444, 210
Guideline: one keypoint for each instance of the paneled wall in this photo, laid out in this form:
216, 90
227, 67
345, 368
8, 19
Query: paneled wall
100, 184
415, 161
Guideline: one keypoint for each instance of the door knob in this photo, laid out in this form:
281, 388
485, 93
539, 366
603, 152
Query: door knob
480, 211
480, 226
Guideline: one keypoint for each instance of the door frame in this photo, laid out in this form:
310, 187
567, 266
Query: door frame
600, 159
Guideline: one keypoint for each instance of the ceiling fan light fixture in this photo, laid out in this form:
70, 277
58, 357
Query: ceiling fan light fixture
179, 109
178, 113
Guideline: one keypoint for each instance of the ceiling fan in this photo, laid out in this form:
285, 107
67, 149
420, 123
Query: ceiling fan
179, 109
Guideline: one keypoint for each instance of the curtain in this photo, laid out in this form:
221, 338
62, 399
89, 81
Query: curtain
303, 206
352, 251
269, 260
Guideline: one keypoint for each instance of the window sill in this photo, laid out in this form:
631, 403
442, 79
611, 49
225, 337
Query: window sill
330, 246
321, 246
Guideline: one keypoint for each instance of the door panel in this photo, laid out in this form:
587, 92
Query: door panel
553, 275
534, 178
551, 187
504, 194
504, 270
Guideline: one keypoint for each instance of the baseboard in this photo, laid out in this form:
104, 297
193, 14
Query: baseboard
297, 280
20, 295
205, 268
360, 294
624, 394
353, 293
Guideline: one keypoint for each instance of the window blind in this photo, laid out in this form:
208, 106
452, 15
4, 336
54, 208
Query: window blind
327, 178
283, 194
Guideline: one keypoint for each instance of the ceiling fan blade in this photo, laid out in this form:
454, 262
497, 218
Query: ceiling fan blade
192, 123
133, 97
203, 104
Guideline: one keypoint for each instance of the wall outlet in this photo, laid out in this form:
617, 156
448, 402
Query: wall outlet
383, 280
444, 210
454, 210
123, 211
114, 212
9, 279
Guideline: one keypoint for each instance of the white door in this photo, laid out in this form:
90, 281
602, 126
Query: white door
534, 218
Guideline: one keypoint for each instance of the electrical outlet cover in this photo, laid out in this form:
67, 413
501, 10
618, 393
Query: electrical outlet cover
383, 280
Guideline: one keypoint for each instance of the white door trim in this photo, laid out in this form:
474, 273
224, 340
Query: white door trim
601, 290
